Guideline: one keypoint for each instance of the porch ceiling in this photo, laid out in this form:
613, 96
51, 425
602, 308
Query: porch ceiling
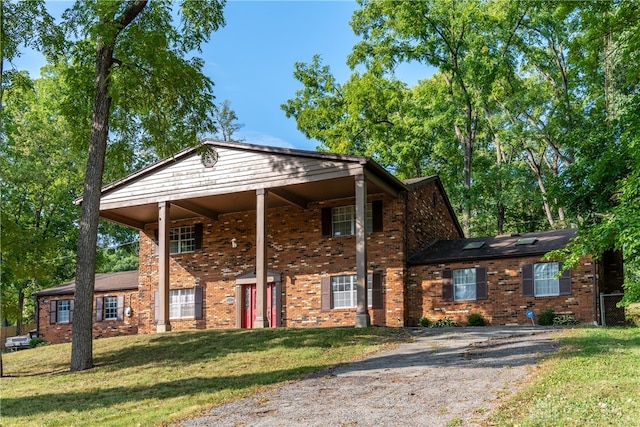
299, 195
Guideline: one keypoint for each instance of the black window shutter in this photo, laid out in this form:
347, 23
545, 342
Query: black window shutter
565, 281
99, 305
327, 228
325, 293
447, 285
198, 303
527, 280
156, 242
376, 213
156, 307
53, 312
198, 236
71, 307
376, 291
481, 283
120, 311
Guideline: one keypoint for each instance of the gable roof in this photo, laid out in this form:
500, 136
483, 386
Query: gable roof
505, 246
104, 282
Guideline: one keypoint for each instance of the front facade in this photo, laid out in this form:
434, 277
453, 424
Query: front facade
249, 236
115, 308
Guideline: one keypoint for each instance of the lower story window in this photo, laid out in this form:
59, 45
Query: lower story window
344, 291
182, 303
545, 279
110, 308
464, 284
64, 309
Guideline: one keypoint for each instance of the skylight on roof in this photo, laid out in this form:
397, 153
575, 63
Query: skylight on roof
473, 245
526, 241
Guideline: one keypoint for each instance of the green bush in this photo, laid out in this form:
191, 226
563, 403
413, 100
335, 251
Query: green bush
34, 342
443, 323
476, 319
565, 319
632, 313
424, 322
545, 317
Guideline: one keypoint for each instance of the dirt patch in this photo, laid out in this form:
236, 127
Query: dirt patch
452, 375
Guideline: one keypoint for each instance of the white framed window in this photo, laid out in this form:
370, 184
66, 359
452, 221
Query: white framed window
344, 291
182, 239
343, 220
63, 311
110, 308
545, 280
464, 284
182, 303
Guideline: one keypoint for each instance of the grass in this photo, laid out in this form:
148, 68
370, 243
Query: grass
594, 380
160, 378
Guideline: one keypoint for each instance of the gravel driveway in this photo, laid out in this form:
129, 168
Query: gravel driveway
448, 375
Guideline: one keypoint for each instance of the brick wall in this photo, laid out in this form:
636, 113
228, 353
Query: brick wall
505, 304
61, 332
296, 250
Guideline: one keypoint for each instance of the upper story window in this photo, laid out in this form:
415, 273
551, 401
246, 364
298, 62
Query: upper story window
341, 220
182, 239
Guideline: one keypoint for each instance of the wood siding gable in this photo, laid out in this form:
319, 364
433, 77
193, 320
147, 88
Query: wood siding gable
236, 171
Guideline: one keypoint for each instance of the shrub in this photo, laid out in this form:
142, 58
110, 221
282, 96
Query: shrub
34, 342
443, 323
545, 317
476, 319
565, 319
424, 322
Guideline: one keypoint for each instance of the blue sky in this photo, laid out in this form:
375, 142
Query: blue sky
251, 60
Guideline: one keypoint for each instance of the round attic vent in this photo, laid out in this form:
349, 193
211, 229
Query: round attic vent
209, 157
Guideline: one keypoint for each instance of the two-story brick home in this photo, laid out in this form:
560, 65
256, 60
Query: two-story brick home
239, 235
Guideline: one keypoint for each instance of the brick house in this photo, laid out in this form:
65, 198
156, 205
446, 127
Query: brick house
504, 277
115, 307
237, 235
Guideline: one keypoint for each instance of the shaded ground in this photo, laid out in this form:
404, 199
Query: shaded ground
447, 375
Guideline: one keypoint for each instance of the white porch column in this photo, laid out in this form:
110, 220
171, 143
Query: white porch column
362, 312
262, 321
163, 267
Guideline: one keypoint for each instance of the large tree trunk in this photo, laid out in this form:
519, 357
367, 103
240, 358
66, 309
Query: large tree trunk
82, 333
20, 310
82, 336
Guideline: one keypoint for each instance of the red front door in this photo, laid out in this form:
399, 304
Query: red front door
249, 305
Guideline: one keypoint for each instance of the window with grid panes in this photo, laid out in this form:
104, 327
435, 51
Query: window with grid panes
64, 308
110, 308
344, 291
181, 303
343, 220
182, 239
464, 284
545, 281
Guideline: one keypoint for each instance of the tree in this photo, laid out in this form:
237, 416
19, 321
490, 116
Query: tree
136, 51
40, 178
226, 120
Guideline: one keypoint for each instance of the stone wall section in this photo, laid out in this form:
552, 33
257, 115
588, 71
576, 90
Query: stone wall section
505, 304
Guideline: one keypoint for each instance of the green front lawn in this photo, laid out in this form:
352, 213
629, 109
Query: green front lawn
594, 380
159, 378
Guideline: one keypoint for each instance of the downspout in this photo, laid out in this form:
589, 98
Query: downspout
405, 259
596, 293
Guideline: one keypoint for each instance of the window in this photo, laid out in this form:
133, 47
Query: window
545, 282
64, 308
110, 308
187, 238
182, 239
344, 294
341, 220
61, 311
181, 303
541, 280
464, 284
